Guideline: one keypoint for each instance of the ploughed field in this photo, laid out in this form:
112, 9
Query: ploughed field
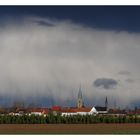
70, 128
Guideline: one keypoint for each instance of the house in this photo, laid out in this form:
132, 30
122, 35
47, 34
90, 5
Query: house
101, 110
116, 112
56, 109
38, 111
79, 111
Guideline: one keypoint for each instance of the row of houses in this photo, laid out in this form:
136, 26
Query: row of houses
80, 109
45, 111
68, 111
18, 109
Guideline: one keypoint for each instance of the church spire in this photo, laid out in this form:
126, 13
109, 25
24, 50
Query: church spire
80, 102
106, 103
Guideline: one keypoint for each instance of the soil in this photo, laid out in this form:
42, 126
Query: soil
69, 128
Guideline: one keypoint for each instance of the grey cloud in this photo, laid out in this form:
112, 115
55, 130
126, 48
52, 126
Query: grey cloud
106, 83
129, 80
125, 72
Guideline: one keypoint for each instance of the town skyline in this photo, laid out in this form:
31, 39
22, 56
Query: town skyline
78, 102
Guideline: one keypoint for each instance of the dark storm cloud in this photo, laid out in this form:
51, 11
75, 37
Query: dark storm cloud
106, 83
42, 22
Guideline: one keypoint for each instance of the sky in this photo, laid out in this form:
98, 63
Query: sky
48, 52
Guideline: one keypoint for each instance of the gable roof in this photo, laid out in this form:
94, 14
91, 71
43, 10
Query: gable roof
100, 108
74, 110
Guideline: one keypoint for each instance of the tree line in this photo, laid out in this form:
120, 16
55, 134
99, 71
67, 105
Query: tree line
56, 119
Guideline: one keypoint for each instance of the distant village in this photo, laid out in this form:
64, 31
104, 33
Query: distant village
80, 109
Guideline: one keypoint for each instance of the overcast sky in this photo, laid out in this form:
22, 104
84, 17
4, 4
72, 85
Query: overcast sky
44, 57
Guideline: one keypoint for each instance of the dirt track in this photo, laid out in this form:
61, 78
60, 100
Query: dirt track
69, 128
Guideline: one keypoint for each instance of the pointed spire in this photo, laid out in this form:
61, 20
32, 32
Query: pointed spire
106, 102
80, 102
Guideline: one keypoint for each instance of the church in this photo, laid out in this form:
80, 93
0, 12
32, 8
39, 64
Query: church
100, 109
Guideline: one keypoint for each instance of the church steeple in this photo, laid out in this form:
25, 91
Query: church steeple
106, 103
80, 102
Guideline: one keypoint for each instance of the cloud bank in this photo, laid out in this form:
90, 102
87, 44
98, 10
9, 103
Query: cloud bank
106, 83
50, 58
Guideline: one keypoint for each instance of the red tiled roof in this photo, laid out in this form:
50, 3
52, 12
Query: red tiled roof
72, 110
84, 109
56, 108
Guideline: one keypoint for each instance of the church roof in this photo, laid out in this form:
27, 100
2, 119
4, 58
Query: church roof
100, 108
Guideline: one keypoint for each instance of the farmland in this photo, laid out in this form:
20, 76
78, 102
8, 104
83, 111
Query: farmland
70, 128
